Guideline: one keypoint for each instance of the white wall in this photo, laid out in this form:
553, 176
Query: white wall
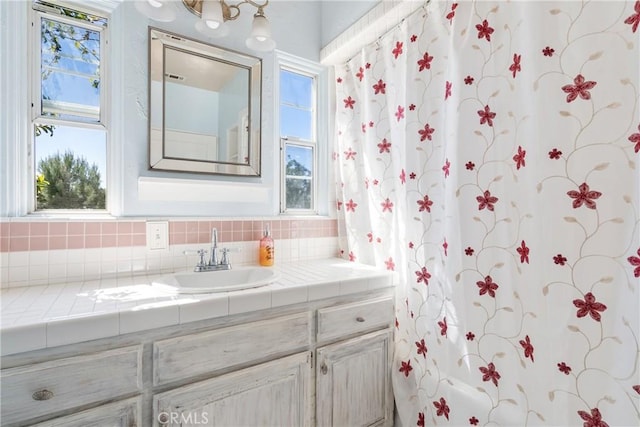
338, 16
297, 28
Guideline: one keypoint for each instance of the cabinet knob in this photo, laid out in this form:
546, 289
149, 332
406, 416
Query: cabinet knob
43, 394
360, 319
163, 418
324, 369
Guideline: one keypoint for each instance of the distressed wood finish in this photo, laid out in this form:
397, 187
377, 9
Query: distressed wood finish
353, 382
348, 319
276, 393
51, 387
125, 413
254, 368
197, 354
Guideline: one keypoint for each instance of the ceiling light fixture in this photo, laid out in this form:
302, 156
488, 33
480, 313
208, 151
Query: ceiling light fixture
214, 15
158, 10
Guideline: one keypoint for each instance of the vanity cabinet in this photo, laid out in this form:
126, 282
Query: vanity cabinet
353, 382
324, 363
40, 389
205, 353
276, 393
124, 413
353, 376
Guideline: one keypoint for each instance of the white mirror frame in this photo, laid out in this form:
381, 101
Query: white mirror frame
159, 40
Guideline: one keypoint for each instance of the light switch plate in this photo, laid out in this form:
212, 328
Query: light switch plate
158, 235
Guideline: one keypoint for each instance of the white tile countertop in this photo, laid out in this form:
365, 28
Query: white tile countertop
38, 317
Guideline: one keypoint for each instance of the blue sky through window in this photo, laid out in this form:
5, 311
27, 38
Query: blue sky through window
296, 105
70, 88
70, 65
296, 114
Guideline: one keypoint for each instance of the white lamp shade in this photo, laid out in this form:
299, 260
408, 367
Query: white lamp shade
260, 38
204, 29
212, 13
158, 10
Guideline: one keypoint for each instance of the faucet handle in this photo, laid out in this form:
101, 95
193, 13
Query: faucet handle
225, 258
201, 253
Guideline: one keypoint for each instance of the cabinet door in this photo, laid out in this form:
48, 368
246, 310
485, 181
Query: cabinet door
125, 413
203, 353
276, 393
51, 387
353, 382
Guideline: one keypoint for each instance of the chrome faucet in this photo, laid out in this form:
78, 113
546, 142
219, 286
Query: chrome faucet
213, 263
213, 259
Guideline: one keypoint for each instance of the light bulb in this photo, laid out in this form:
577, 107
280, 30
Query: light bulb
260, 38
212, 13
158, 10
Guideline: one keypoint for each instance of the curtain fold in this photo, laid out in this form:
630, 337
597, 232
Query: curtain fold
487, 152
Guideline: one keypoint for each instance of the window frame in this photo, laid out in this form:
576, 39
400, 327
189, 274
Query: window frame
319, 142
284, 142
36, 13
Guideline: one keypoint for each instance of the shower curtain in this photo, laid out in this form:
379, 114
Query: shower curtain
488, 153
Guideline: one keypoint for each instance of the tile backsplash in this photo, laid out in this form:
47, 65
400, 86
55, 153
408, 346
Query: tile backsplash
44, 252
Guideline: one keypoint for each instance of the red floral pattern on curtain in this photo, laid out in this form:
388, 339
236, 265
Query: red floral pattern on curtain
488, 153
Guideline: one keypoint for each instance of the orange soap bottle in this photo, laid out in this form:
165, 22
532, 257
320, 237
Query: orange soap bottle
267, 251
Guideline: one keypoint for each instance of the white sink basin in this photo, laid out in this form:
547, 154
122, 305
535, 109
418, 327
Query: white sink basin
219, 281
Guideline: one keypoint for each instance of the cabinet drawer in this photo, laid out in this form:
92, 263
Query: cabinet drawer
124, 413
275, 393
202, 353
347, 319
35, 390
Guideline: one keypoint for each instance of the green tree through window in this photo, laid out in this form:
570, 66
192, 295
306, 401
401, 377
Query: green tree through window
72, 183
298, 141
70, 43
298, 190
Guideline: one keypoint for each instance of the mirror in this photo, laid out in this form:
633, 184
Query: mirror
204, 107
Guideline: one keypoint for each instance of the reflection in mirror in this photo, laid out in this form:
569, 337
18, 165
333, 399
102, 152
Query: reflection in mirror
204, 105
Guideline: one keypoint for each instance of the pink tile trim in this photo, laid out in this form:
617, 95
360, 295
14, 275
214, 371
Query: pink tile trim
17, 244
93, 228
92, 241
177, 239
139, 228
192, 227
109, 228
75, 242
19, 229
124, 228
57, 242
39, 229
124, 240
109, 240
57, 229
4, 229
41, 235
38, 243
139, 240
177, 227
75, 228
204, 227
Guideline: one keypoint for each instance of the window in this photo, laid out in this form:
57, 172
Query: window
68, 96
298, 141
